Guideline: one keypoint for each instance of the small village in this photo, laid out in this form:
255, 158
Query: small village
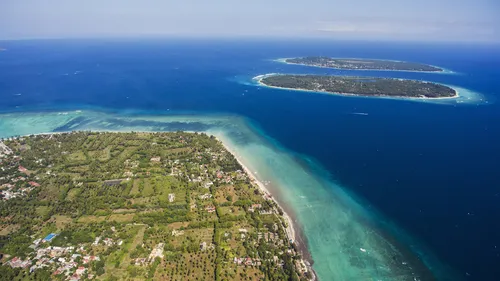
14, 185
72, 262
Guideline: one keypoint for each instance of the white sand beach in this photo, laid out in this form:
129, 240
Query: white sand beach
289, 223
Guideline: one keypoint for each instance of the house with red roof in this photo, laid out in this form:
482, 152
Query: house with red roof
22, 169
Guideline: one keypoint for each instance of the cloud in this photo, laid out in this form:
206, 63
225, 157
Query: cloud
374, 27
352, 27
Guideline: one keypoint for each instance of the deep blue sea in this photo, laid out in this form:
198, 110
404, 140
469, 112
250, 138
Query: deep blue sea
433, 169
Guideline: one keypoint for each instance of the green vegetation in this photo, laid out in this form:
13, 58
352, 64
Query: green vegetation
363, 64
360, 86
136, 206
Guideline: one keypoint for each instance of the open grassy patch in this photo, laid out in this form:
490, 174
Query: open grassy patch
5, 229
101, 155
91, 219
77, 156
72, 193
226, 193
61, 221
135, 188
121, 217
42, 211
148, 189
232, 211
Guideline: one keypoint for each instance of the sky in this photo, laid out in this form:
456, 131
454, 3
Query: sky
421, 20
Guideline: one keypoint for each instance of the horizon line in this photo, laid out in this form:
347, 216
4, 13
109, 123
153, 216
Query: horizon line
248, 37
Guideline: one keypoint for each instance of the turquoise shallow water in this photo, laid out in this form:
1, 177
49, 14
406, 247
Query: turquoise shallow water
345, 240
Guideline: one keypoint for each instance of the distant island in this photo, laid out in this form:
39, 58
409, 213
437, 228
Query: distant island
359, 86
362, 64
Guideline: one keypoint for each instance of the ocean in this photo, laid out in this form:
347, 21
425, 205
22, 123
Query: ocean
413, 184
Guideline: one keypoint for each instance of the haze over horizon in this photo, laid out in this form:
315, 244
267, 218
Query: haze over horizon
425, 20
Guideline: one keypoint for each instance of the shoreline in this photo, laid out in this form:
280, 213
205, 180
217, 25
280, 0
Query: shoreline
293, 231
443, 70
260, 77
277, 188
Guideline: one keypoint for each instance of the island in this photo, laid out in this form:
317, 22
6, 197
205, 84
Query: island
138, 206
362, 64
359, 86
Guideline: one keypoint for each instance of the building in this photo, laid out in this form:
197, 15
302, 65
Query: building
246, 261
87, 259
205, 196
75, 277
19, 263
177, 232
108, 242
22, 169
34, 184
157, 252
80, 270
140, 261
254, 207
171, 197
96, 241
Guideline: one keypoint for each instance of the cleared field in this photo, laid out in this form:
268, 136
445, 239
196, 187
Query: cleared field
124, 211
135, 188
101, 155
226, 192
91, 219
77, 156
72, 194
43, 211
61, 221
121, 217
148, 188
6, 229
195, 236
49, 192
232, 210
